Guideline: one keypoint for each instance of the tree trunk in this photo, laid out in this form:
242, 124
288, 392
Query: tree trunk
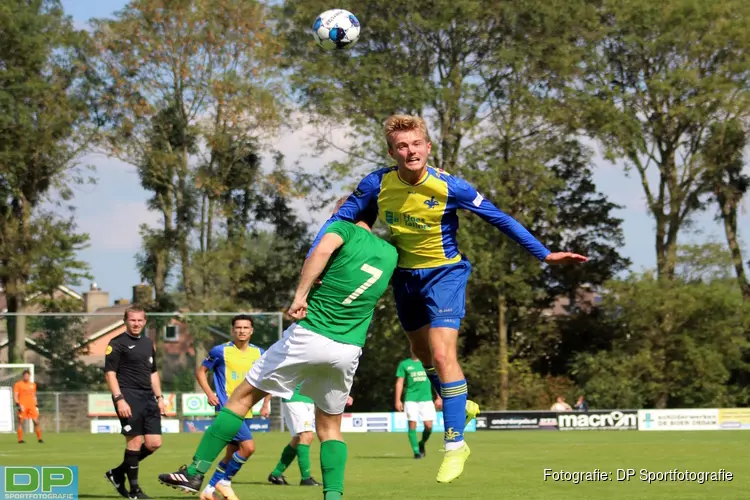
502, 331
16, 326
729, 216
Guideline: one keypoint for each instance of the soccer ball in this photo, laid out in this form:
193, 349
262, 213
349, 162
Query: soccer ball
336, 29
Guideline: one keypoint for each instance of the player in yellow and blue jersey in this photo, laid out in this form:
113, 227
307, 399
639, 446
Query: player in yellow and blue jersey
419, 205
229, 363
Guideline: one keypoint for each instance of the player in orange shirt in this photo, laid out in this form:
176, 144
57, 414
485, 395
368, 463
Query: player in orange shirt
24, 395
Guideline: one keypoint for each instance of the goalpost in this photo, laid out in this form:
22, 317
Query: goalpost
10, 373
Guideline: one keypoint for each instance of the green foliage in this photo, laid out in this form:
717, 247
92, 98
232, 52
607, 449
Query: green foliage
676, 345
45, 126
657, 76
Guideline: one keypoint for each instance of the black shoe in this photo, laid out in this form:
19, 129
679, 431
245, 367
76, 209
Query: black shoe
41, 441
417, 456
421, 449
281, 480
22, 442
310, 481
137, 493
118, 481
180, 481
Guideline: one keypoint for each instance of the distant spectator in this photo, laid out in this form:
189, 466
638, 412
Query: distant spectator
561, 405
581, 404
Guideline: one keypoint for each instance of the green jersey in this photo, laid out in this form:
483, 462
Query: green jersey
418, 386
357, 275
297, 397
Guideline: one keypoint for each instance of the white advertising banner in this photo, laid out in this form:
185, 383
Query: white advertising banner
112, 426
6, 409
692, 419
366, 422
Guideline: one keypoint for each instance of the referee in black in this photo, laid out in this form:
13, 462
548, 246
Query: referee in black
130, 370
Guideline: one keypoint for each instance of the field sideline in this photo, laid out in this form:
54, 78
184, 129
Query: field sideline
504, 465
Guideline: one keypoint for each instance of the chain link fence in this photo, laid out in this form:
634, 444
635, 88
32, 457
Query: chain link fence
69, 412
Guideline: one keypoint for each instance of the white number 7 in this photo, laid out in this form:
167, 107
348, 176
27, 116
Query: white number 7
375, 276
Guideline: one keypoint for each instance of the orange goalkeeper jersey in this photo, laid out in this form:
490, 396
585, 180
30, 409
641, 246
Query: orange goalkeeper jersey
26, 393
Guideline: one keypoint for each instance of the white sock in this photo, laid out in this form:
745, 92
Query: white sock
209, 490
225, 482
453, 445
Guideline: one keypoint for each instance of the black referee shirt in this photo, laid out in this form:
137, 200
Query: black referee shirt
133, 359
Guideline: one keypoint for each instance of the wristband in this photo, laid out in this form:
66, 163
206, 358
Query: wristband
117, 397
159, 397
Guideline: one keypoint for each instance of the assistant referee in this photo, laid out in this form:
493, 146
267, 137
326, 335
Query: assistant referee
130, 370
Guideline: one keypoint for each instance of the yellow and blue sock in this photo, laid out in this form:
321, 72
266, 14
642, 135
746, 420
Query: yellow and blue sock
218, 474
234, 465
454, 396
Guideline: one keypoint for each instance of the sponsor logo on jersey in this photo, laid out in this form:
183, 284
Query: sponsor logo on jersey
431, 203
109, 350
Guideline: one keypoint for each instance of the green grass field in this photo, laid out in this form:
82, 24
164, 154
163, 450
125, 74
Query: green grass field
503, 465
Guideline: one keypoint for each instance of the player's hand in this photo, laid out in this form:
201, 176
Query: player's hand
213, 400
162, 407
123, 409
399, 406
298, 309
20, 408
349, 401
560, 258
265, 411
438, 403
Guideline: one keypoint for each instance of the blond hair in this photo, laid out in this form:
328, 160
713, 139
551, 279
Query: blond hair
404, 123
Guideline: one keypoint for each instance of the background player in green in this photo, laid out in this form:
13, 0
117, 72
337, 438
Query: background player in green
322, 350
417, 401
298, 413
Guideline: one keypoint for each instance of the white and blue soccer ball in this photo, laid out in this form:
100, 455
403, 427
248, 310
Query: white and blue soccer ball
336, 29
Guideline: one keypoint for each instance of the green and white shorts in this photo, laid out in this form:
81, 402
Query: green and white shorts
324, 367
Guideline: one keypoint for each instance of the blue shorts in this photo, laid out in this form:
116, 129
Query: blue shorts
435, 296
244, 433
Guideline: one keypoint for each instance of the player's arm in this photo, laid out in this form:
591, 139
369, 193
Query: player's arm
201, 374
111, 365
399, 391
156, 385
469, 199
16, 399
314, 266
363, 198
265, 410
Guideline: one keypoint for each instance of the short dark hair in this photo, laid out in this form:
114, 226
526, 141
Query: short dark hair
133, 308
26, 371
368, 216
242, 317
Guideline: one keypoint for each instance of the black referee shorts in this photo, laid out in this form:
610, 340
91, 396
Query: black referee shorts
144, 418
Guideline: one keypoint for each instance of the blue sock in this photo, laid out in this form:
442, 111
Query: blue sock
234, 466
454, 410
434, 379
218, 473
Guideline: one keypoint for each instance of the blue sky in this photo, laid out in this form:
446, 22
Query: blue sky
112, 210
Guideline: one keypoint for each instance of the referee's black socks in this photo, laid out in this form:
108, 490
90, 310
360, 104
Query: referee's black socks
131, 467
144, 453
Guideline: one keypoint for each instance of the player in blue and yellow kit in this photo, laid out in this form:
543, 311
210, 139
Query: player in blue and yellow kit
419, 204
230, 362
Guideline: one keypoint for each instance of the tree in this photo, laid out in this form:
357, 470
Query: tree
657, 75
723, 154
45, 126
186, 78
677, 343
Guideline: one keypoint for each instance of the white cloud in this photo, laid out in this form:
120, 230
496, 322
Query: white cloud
116, 226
